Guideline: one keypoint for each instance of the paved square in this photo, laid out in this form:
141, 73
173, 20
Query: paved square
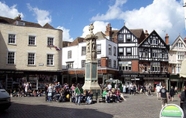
136, 106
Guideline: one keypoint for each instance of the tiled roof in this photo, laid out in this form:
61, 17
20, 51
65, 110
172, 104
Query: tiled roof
139, 33
77, 41
66, 43
17, 20
48, 26
100, 35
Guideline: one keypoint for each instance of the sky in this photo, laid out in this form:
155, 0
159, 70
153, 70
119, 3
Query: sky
74, 16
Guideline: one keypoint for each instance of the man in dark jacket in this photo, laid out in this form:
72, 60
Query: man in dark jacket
183, 100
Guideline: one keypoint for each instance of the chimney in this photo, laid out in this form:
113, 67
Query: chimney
167, 39
108, 31
184, 40
146, 34
18, 17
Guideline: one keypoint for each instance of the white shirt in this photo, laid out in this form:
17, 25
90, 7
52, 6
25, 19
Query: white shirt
109, 86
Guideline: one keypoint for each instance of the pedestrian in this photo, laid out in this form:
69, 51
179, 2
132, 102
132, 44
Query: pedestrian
158, 90
77, 94
164, 95
172, 93
183, 100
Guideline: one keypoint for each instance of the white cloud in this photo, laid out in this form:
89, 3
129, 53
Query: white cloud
112, 13
164, 16
42, 16
10, 12
66, 34
98, 26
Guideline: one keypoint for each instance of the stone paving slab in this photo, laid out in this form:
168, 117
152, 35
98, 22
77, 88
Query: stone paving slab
136, 106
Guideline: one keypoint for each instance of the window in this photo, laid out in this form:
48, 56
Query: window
114, 51
120, 38
31, 58
110, 49
50, 59
179, 67
11, 39
109, 63
98, 48
99, 63
121, 52
31, 40
69, 54
83, 50
50, 41
128, 51
11, 56
125, 66
128, 38
181, 55
69, 64
155, 66
82, 63
114, 63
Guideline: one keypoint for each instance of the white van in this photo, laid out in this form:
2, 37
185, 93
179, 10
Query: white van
5, 102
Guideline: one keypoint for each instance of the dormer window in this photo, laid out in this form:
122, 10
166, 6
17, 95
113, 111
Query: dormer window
20, 23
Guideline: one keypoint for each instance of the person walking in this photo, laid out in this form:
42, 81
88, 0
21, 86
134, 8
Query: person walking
78, 94
172, 93
183, 100
164, 95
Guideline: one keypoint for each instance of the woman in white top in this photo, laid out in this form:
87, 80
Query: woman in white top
50, 89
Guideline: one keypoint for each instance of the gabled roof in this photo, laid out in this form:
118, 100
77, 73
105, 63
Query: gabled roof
48, 26
156, 35
100, 35
175, 41
139, 33
77, 41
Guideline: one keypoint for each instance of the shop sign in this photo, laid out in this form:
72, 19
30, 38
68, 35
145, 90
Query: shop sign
171, 111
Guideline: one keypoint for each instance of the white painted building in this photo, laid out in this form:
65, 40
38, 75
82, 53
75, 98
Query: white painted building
177, 54
74, 57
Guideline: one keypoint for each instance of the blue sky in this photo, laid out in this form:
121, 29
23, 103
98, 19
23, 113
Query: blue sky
74, 16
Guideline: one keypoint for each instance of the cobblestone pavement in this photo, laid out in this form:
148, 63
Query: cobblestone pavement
136, 106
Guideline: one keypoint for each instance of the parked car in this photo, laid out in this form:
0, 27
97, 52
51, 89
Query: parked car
5, 101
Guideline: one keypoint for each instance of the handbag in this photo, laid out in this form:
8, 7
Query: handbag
49, 94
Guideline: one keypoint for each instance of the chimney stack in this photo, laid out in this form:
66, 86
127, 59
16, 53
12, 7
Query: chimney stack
108, 31
167, 39
146, 34
184, 40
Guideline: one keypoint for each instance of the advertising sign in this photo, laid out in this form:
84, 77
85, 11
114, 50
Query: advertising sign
171, 111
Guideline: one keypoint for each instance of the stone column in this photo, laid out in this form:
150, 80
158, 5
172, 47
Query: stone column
91, 72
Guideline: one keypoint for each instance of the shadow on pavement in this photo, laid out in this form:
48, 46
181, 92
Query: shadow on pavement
44, 111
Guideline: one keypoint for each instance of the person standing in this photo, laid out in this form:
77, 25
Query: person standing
183, 100
124, 88
78, 94
158, 90
164, 95
172, 93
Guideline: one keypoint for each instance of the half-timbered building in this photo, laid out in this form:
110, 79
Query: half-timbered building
153, 59
128, 53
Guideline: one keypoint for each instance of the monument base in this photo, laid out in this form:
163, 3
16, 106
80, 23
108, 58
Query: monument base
94, 87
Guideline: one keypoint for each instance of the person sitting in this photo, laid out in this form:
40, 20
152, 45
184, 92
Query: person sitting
117, 95
89, 97
104, 95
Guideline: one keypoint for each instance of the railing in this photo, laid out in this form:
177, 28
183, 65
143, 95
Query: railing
128, 57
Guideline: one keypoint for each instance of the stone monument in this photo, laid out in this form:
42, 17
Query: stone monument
91, 73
